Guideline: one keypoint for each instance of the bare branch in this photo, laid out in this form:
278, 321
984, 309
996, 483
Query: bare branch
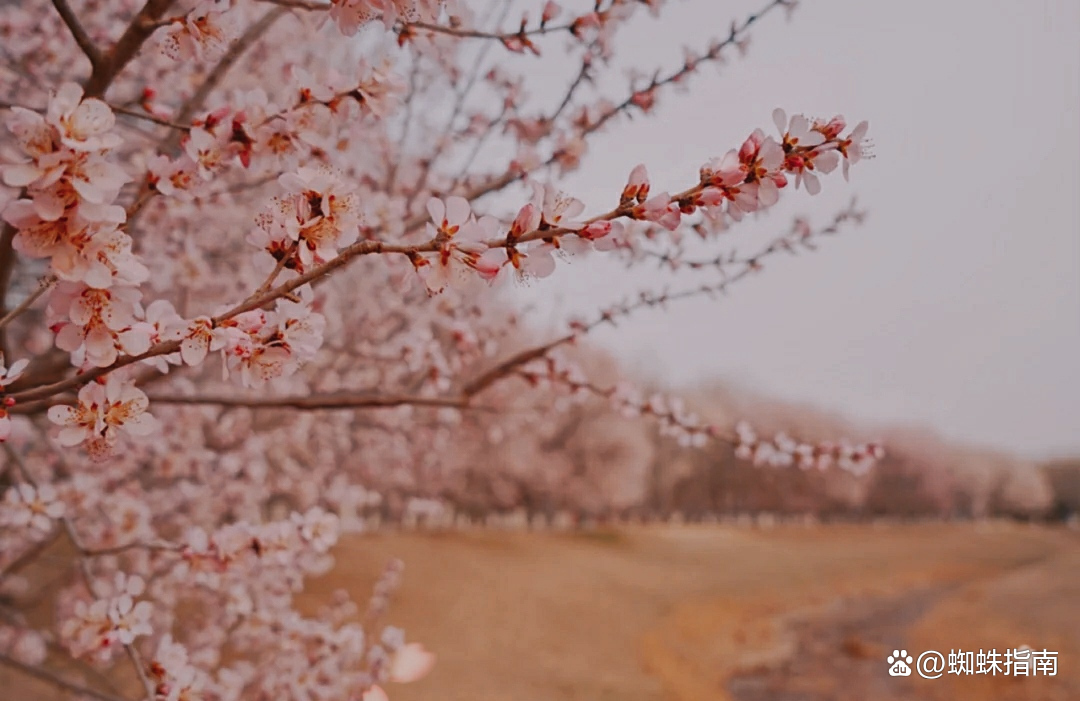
81, 37
125, 48
120, 109
44, 285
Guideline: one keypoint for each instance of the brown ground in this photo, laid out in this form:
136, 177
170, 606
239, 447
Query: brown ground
712, 614
716, 613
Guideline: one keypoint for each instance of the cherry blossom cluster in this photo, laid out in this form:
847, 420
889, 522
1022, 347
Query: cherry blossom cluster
742, 181
322, 209
350, 15
783, 451
208, 559
259, 345
105, 411
670, 413
311, 223
256, 130
68, 215
202, 34
101, 627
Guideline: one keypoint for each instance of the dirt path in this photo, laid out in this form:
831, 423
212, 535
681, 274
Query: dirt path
841, 654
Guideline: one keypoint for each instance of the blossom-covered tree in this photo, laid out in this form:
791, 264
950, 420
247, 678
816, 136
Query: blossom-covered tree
250, 273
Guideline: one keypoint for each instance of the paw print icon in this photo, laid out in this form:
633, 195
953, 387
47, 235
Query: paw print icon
899, 663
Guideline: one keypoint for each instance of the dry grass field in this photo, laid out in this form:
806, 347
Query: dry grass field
712, 613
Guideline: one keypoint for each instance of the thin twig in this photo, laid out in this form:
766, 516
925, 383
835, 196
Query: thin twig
342, 400
149, 117
747, 266
44, 285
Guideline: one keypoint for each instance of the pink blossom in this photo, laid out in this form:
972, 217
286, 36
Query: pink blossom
318, 527
101, 257
448, 216
637, 187
537, 260
97, 323
596, 230
659, 209
616, 236
528, 219
26, 506
99, 628
174, 178
200, 338
410, 663
460, 246
103, 413
550, 12
9, 374
319, 214
83, 125
204, 33
557, 209
161, 323
854, 147
375, 693
797, 131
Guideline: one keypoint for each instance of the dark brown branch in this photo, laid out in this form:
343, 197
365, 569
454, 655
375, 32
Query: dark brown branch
81, 37
113, 61
518, 359
7, 265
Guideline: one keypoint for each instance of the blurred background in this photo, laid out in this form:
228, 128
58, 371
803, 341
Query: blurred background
948, 326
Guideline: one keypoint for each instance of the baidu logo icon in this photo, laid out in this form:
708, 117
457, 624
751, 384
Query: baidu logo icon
899, 663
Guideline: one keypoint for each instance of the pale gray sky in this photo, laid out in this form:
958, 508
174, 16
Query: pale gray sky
957, 305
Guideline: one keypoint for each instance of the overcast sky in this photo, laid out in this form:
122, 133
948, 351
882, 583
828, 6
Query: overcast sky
957, 305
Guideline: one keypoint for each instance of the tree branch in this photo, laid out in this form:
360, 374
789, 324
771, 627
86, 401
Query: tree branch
81, 37
125, 48
343, 400
44, 285
235, 52
746, 267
